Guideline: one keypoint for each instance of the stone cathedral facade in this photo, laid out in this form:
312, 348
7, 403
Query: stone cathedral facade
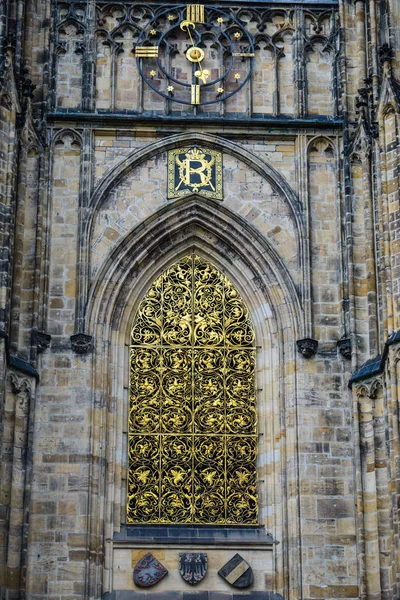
199, 300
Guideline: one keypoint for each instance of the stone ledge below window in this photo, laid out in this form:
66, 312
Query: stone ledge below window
180, 535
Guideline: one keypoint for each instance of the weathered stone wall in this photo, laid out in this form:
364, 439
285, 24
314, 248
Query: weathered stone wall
308, 231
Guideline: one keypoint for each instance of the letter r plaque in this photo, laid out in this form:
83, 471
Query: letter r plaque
195, 170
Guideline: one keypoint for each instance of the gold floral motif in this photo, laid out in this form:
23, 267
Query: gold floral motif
192, 418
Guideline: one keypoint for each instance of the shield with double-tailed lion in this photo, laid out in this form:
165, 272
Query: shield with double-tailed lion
148, 571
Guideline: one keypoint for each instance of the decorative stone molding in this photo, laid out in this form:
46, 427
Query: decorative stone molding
29, 135
361, 391
22, 389
307, 347
9, 91
42, 341
70, 138
376, 387
82, 343
369, 389
344, 346
19, 385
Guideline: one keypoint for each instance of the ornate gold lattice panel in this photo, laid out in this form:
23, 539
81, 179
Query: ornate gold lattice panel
192, 419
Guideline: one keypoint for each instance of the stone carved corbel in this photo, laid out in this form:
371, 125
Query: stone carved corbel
19, 384
42, 341
369, 389
376, 387
81, 343
344, 346
307, 347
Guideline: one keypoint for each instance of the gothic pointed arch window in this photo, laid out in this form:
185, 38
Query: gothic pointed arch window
192, 417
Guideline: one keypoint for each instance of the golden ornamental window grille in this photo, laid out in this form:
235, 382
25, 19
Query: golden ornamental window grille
192, 417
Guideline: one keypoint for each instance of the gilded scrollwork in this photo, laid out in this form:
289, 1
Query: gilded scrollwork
192, 420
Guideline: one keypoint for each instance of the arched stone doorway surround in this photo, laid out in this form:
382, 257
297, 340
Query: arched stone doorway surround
235, 247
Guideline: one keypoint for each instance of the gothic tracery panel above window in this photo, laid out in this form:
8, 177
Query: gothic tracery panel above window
192, 419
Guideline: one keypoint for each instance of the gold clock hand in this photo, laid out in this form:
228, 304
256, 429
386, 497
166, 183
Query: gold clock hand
185, 26
195, 54
204, 74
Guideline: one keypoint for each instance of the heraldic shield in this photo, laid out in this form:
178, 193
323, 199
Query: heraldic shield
193, 566
237, 572
148, 571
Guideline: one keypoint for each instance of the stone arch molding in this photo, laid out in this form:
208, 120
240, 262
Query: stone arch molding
253, 266
125, 166
192, 222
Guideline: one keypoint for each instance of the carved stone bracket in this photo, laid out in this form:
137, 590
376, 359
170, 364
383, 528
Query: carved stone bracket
19, 384
43, 341
22, 389
344, 346
307, 347
82, 343
369, 389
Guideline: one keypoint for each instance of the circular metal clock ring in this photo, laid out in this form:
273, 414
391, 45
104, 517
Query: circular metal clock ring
195, 54
162, 40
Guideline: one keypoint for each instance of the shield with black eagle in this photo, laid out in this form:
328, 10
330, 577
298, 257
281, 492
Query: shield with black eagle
193, 566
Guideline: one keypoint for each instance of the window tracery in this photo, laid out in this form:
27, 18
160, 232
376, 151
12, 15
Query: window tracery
192, 420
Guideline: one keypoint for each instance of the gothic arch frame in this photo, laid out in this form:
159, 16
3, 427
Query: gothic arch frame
125, 166
135, 158
244, 255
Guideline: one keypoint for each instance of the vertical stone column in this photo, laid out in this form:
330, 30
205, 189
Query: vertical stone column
15, 485
389, 220
85, 185
361, 45
369, 241
394, 12
89, 60
371, 573
26, 230
363, 268
382, 490
64, 226
373, 50
325, 262
299, 58
9, 109
392, 442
